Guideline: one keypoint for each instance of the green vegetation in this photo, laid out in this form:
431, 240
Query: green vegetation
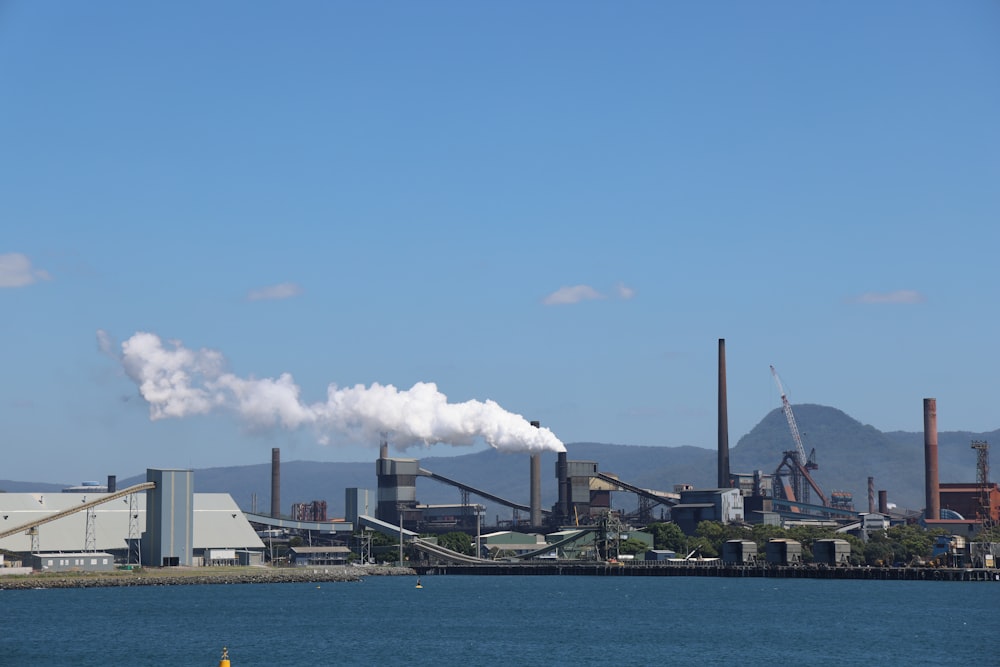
989, 535
900, 544
457, 541
632, 546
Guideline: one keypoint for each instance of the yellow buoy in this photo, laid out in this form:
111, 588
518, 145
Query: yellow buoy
224, 661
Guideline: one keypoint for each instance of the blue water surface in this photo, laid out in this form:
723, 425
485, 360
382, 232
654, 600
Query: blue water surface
529, 620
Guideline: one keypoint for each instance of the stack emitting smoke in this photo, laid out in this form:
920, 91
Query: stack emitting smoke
178, 382
535, 504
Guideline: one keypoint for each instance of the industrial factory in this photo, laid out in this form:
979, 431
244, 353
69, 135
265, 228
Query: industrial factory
162, 522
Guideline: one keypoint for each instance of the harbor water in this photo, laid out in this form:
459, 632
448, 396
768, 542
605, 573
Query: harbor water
467, 620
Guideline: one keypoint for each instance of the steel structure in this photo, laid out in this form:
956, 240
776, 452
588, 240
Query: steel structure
983, 481
799, 472
134, 547
90, 538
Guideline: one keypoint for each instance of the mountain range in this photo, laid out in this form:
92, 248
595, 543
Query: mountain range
847, 453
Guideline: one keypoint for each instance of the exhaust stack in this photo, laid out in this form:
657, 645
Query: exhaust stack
723, 420
536, 486
931, 488
883, 502
562, 475
871, 495
275, 482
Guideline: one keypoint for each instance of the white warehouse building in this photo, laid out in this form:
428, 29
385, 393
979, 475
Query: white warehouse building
119, 527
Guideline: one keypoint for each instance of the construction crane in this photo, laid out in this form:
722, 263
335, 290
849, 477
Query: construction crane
799, 473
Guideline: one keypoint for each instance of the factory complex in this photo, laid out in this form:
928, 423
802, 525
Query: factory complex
164, 523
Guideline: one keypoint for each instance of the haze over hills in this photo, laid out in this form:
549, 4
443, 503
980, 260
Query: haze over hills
847, 452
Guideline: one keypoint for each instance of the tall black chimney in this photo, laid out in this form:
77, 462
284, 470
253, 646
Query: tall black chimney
723, 420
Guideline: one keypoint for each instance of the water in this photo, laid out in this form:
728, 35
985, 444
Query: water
462, 620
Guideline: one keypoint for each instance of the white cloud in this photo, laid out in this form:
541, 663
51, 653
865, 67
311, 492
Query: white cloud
578, 293
899, 296
280, 291
16, 271
105, 343
624, 291
574, 294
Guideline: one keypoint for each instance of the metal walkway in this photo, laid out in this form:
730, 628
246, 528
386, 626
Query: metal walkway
478, 492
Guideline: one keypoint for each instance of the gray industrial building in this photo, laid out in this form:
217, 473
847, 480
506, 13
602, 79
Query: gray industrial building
143, 527
318, 556
739, 552
784, 552
91, 561
697, 505
169, 536
832, 552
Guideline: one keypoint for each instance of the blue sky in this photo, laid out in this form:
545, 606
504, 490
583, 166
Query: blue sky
559, 207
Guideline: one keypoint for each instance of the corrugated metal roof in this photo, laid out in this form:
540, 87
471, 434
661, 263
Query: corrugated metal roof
320, 550
215, 525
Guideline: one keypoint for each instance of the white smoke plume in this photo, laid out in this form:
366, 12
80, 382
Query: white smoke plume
179, 382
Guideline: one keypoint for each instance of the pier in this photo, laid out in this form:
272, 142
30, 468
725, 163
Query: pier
593, 569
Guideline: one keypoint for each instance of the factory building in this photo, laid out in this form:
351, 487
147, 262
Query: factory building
312, 511
739, 551
91, 561
142, 527
697, 505
397, 490
832, 552
784, 552
318, 556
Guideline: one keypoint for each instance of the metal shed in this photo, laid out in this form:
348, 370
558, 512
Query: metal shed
832, 552
739, 551
784, 552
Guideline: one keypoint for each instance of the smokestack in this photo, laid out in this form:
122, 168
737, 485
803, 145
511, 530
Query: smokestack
275, 482
112, 483
883, 502
723, 419
931, 491
383, 447
871, 495
562, 475
536, 486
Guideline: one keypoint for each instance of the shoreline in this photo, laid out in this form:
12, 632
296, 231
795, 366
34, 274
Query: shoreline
194, 576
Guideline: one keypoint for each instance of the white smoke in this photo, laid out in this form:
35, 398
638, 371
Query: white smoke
178, 382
